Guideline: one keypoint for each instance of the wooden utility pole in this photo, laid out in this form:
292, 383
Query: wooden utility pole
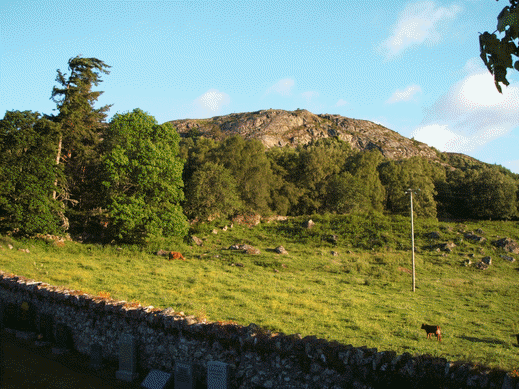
410, 191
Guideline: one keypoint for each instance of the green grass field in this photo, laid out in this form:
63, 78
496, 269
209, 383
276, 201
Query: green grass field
362, 296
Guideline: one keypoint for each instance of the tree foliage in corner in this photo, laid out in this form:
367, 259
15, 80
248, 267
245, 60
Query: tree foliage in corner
28, 173
497, 54
143, 178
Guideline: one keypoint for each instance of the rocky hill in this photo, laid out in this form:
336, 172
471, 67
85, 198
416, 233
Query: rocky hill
276, 127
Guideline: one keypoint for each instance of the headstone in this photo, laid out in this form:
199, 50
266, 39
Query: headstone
96, 356
12, 313
64, 340
127, 358
45, 327
2, 315
25, 316
217, 375
184, 376
157, 379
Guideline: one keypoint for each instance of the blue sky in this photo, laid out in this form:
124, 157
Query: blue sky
413, 66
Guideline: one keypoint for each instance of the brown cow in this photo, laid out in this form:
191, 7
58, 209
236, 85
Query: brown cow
176, 255
432, 330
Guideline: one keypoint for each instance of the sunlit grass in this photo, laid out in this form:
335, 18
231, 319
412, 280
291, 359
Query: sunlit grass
362, 296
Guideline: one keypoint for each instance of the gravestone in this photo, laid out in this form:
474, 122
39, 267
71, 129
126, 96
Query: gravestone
64, 340
2, 315
12, 313
217, 375
184, 376
157, 379
27, 315
127, 358
45, 327
96, 356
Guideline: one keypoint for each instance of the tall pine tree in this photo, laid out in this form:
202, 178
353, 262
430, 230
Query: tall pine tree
80, 134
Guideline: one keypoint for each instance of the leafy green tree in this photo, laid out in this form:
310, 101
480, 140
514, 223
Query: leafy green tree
248, 163
414, 173
285, 193
211, 192
365, 169
344, 194
493, 195
498, 53
28, 173
81, 128
318, 162
143, 178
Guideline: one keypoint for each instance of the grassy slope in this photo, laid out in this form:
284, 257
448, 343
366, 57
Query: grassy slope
361, 296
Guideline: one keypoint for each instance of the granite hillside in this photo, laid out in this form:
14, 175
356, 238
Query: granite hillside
276, 127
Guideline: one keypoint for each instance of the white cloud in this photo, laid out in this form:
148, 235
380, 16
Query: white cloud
404, 95
282, 87
340, 103
418, 23
512, 165
469, 115
309, 95
210, 103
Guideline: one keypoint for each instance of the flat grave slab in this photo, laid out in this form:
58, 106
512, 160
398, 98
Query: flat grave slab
157, 379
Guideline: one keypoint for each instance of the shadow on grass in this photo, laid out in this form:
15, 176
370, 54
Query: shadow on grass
482, 340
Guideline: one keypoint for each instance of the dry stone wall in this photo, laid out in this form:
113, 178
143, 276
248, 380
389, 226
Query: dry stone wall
258, 358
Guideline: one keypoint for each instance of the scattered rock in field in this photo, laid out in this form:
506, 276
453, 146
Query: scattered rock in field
224, 228
276, 271
508, 258
446, 247
507, 244
248, 220
308, 224
487, 260
481, 266
467, 262
404, 270
24, 250
252, 251
237, 264
248, 249
334, 253
215, 231
280, 250
471, 255
433, 235
10, 246
284, 266
197, 240
163, 253
474, 238
479, 231
330, 238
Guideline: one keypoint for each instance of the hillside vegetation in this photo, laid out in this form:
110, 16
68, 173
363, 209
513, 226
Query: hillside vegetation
347, 278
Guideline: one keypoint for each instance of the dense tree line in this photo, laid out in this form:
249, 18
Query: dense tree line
124, 180
327, 176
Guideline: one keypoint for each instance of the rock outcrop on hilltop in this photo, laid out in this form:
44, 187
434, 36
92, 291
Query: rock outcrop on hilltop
276, 127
